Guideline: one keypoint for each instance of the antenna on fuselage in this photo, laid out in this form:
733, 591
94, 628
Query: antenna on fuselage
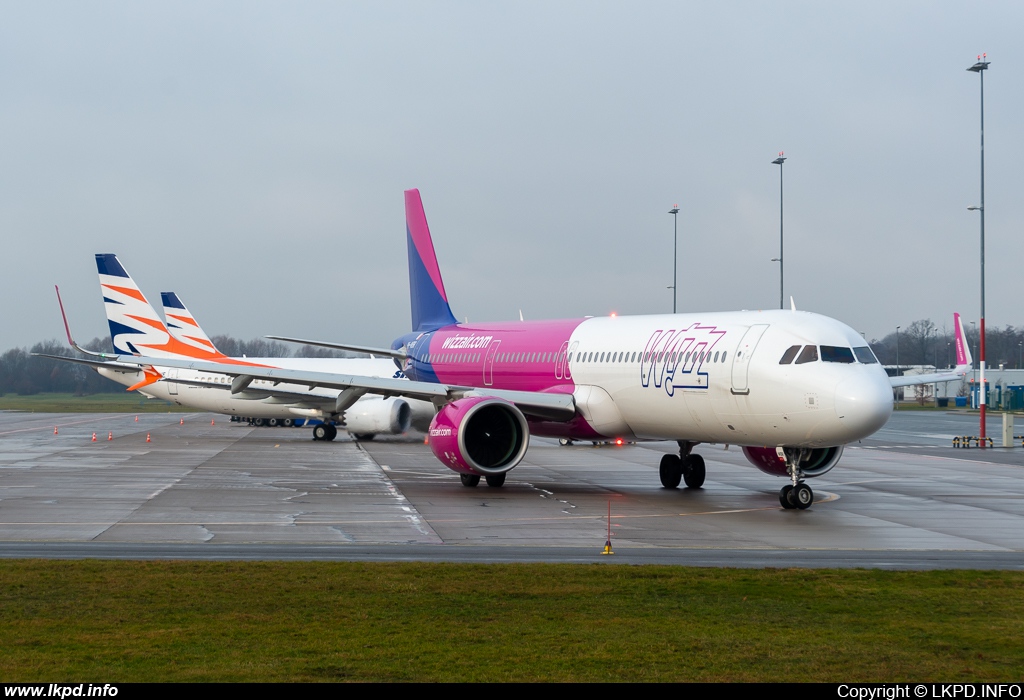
792, 304
520, 314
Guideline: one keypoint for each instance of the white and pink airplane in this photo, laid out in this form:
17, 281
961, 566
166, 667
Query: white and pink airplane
792, 388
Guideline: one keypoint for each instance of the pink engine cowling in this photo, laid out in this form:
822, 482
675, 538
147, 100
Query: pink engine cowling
479, 435
815, 462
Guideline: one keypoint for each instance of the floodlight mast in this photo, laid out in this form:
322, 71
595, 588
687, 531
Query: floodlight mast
980, 67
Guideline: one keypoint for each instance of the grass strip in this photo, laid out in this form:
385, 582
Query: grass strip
114, 621
120, 402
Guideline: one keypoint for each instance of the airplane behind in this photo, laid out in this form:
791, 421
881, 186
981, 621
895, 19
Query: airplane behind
791, 388
136, 327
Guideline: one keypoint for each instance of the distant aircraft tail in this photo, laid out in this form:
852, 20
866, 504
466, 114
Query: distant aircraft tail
964, 360
182, 325
429, 301
135, 327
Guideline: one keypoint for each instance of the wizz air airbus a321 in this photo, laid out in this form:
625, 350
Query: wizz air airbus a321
792, 388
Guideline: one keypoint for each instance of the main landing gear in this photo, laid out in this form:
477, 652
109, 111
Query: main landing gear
493, 480
798, 494
324, 431
685, 467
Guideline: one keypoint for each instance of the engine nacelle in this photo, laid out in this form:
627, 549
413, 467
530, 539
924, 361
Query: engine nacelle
480, 435
815, 462
369, 416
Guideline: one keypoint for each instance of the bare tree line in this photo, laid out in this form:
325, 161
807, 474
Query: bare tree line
21, 373
924, 343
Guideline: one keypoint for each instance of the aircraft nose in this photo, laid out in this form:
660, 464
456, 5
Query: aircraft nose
864, 404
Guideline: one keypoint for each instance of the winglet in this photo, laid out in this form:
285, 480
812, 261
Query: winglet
67, 329
428, 298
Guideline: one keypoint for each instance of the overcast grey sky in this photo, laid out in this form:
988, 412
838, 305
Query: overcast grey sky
252, 156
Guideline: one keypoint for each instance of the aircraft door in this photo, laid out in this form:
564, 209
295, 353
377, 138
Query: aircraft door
492, 350
172, 386
741, 358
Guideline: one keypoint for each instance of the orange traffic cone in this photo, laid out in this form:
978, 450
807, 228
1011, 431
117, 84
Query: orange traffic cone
55, 430
181, 422
136, 419
211, 421
110, 435
426, 439
147, 437
94, 437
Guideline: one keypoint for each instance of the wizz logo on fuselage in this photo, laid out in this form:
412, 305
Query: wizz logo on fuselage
674, 359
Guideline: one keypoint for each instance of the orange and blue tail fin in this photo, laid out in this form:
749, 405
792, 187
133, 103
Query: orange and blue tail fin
429, 300
135, 327
182, 324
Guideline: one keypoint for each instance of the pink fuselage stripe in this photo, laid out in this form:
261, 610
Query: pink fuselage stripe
419, 232
514, 355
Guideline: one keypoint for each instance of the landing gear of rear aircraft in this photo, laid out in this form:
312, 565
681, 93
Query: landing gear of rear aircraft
470, 480
324, 431
564, 442
797, 494
496, 480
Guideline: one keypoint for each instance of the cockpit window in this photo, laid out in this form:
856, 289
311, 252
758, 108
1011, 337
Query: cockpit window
832, 353
865, 355
788, 356
810, 354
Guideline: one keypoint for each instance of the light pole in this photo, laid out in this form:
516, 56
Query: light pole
974, 343
897, 363
674, 211
779, 161
980, 67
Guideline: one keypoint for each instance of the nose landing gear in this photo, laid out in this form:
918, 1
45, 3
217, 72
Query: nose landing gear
686, 467
796, 495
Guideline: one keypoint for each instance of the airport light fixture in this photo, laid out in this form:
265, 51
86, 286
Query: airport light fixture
779, 161
674, 211
980, 67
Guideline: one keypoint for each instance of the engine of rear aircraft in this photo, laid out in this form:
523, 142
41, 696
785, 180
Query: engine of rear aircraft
390, 417
479, 435
813, 462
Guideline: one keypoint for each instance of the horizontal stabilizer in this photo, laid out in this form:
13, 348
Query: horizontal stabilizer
364, 349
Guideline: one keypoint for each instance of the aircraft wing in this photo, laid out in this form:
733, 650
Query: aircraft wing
933, 378
537, 404
129, 367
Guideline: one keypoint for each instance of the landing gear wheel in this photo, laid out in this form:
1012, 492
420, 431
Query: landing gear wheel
272, 422
259, 422
786, 497
694, 472
332, 432
671, 471
364, 436
496, 480
802, 496
564, 442
288, 422
320, 432
470, 480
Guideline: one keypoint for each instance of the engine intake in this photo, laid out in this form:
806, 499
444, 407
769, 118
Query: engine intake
480, 435
815, 461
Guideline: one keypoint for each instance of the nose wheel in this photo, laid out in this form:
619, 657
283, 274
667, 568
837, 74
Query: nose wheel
797, 495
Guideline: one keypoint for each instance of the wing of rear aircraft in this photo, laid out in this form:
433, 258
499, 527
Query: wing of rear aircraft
964, 363
536, 404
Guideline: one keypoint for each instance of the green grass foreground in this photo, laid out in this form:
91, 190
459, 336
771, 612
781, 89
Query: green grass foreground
119, 402
111, 621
